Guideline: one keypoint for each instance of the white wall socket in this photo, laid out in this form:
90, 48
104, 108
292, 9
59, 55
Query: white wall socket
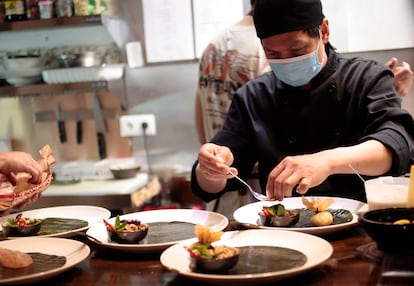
131, 125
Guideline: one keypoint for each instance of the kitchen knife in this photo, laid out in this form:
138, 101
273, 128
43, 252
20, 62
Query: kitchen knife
100, 127
61, 125
79, 131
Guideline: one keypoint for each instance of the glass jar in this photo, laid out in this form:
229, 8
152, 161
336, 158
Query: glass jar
2, 11
32, 9
64, 8
14, 10
45, 9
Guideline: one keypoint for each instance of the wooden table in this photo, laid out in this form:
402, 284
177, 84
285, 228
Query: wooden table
111, 267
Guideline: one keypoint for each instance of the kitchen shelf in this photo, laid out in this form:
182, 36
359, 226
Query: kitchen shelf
45, 89
51, 23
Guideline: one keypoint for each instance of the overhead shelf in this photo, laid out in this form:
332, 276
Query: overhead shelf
50, 89
51, 23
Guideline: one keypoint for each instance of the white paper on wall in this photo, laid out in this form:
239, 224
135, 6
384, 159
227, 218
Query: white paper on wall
168, 30
211, 16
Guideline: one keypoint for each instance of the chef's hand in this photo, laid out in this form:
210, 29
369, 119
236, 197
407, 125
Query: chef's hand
215, 161
403, 76
15, 162
302, 172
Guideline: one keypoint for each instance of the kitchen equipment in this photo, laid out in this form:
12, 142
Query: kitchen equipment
82, 58
61, 125
100, 127
84, 74
125, 171
386, 192
255, 194
79, 131
391, 228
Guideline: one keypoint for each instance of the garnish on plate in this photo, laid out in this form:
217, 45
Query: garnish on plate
278, 215
319, 206
126, 231
208, 257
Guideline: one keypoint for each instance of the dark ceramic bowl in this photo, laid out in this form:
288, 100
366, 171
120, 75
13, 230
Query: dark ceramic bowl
27, 230
290, 218
129, 237
380, 225
214, 265
125, 171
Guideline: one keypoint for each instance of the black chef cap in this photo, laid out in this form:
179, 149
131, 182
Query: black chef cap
273, 17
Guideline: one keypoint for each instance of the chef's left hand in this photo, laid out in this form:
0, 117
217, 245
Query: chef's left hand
302, 172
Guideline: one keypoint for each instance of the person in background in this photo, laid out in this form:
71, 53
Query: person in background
232, 58
307, 122
403, 76
15, 162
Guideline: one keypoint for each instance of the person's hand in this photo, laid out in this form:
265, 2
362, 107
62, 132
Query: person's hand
403, 76
300, 172
15, 162
215, 161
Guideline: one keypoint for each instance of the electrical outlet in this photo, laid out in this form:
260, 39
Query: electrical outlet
132, 125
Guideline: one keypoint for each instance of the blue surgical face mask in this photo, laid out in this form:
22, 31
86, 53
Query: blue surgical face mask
297, 71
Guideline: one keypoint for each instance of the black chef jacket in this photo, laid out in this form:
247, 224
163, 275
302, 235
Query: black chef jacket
350, 101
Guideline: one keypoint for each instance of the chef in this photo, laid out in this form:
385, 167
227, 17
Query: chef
310, 120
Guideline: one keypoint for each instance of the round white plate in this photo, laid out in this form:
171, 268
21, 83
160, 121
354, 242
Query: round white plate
316, 250
217, 222
91, 214
74, 251
248, 214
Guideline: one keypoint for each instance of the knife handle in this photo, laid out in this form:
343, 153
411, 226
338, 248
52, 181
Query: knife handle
101, 145
79, 132
62, 131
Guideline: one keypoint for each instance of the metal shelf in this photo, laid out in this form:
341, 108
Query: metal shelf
51, 89
51, 23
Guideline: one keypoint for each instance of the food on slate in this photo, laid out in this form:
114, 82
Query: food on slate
21, 226
321, 217
20, 221
126, 231
278, 215
14, 259
209, 257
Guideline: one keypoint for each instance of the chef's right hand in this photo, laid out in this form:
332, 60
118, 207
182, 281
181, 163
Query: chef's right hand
215, 161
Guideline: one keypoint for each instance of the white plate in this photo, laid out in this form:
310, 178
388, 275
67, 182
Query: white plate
215, 221
248, 214
316, 250
91, 214
74, 251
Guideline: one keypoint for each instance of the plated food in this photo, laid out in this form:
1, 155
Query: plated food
165, 228
343, 212
62, 221
126, 231
50, 256
208, 257
21, 226
264, 256
278, 215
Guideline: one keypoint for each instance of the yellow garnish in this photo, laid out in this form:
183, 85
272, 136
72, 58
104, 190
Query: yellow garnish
402, 221
317, 204
206, 235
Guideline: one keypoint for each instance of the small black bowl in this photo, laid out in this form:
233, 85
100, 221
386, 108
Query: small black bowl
129, 237
28, 230
214, 265
290, 218
380, 226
